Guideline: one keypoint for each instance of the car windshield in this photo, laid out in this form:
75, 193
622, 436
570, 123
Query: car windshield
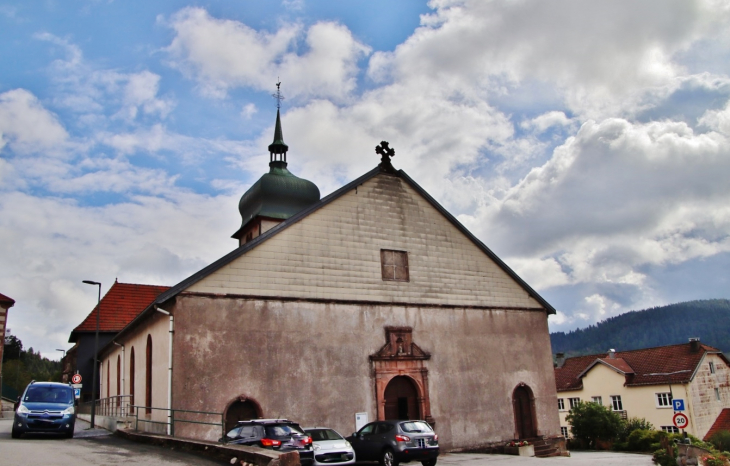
283, 430
319, 435
415, 426
234, 433
41, 394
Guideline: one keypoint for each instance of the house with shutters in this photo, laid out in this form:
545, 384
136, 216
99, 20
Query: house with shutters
5, 304
372, 301
644, 383
121, 303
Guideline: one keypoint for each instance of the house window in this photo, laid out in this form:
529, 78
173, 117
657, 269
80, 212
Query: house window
564, 431
712, 367
597, 400
664, 400
573, 402
717, 394
561, 404
394, 265
616, 403
670, 429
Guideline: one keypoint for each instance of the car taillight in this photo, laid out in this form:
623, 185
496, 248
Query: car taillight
435, 438
402, 438
307, 440
267, 442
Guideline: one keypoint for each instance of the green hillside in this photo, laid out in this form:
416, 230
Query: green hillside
667, 325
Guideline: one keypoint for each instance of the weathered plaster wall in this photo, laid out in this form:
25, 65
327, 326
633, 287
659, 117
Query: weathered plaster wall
158, 328
308, 361
705, 405
334, 253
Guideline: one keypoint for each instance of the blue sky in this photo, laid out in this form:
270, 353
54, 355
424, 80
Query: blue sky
586, 143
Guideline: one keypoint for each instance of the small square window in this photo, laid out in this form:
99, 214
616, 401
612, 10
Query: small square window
597, 400
564, 431
670, 429
394, 265
573, 402
616, 403
561, 404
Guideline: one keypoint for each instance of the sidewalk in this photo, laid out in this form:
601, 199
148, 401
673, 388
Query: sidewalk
580, 458
82, 430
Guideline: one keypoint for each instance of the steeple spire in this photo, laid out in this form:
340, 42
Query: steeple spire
278, 148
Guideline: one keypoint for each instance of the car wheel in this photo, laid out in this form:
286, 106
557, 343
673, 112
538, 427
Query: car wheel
16, 433
388, 458
71, 435
431, 462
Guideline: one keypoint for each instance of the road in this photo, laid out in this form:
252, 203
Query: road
97, 447
88, 448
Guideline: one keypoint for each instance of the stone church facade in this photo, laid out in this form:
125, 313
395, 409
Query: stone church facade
371, 300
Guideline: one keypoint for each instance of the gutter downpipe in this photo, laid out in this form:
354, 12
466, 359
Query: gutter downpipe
169, 370
123, 367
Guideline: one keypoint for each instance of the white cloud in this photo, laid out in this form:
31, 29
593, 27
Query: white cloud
222, 54
547, 120
26, 126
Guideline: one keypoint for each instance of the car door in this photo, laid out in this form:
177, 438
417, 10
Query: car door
362, 442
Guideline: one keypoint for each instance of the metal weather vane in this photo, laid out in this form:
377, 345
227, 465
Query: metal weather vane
278, 96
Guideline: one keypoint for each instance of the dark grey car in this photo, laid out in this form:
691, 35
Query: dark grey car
393, 442
274, 434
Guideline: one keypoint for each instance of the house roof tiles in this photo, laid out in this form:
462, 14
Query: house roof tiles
119, 306
6, 300
721, 423
650, 366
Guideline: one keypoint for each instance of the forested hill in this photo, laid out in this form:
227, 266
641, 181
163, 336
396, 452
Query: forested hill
667, 325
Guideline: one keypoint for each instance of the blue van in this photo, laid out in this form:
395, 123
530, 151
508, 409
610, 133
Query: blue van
46, 407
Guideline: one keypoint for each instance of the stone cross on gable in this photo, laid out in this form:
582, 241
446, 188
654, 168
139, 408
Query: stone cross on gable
386, 152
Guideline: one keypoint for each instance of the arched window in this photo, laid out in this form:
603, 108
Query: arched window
131, 380
119, 373
148, 381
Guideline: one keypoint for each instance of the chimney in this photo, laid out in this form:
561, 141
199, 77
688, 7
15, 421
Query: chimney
694, 344
612, 353
559, 360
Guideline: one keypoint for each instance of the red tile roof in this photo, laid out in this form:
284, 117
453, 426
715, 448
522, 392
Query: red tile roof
650, 366
119, 306
6, 300
721, 423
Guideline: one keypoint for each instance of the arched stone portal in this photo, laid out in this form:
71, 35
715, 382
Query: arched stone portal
523, 403
241, 409
401, 373
401, 399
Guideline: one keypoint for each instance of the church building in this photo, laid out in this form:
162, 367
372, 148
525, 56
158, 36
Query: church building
373, 303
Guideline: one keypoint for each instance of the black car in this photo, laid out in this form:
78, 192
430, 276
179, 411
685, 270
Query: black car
393, 442
45, 407
274, 434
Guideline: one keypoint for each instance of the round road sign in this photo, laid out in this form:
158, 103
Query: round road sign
76, 378
680, 420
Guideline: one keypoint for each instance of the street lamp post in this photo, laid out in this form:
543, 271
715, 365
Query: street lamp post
96, 350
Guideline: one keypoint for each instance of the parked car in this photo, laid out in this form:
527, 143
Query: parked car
393, 442
46, 407
330, 447
274, 434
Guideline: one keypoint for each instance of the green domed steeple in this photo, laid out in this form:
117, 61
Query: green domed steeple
277, 195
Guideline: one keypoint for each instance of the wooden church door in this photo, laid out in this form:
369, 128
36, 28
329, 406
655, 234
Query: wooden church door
524, 413
401, 399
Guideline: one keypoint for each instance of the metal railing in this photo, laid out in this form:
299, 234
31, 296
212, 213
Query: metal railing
120, 408
176, 416
114, 406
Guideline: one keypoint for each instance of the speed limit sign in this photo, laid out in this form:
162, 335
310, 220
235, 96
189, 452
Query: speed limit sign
680, 420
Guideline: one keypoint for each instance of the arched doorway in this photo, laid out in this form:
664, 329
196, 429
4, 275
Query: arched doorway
523, 403
240, 410
401, 399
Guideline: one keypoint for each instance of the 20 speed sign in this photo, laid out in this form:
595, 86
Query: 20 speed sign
680, 421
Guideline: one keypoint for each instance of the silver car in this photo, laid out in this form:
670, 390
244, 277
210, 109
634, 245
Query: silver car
330, 447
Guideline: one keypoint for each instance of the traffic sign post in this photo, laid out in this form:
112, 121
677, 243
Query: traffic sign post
678, 405
680, 421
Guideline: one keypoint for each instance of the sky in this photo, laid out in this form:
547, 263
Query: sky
586, 143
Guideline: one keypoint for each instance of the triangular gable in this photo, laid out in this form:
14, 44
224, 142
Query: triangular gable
335, 254
617, 365
533, 298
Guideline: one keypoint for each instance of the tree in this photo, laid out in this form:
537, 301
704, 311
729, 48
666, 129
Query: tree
13, 348
590, 422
